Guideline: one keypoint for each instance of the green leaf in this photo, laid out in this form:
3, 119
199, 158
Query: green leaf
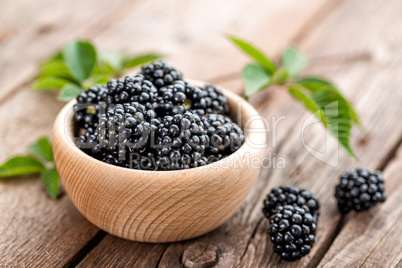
49, 83
131, 62
55, 57
255, 77
114, 60
315, 84
279, 77
80, 58
337, 112
43, 148
100, 80
21, 165
55, 68
294, 61
69, 92
103, 68
297, 92
256, 54
50, 178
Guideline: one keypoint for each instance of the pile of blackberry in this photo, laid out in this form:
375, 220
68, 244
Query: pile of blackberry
359, 190
293, 214
292, 231
155, 121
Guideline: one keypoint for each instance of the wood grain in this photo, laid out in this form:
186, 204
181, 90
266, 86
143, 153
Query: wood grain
195, 40
368, 80
14, 139
243, 239
43, 31
27, 239
366, 238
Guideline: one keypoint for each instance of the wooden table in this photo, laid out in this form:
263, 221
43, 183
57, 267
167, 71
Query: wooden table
356, 43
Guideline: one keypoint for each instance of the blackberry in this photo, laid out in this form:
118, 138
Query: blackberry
160, 73
88, 139
132, 89
123, 130
201, 100
87, 107
180, 142
174, 99
224, 136
290, 195
360, 190
292, 231
211, 101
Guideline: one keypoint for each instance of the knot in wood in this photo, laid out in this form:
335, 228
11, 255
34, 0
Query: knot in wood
200, 255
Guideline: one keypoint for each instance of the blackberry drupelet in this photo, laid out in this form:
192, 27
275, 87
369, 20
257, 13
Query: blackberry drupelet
202, 100
292, 231
132, 89
290, 195
224, 136
160, 73
89, 140
212, 101
124, 130
360, 190
87, 107
174, 99
180, 142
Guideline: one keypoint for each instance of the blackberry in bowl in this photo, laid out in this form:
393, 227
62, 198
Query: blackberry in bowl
160, 73
182, 192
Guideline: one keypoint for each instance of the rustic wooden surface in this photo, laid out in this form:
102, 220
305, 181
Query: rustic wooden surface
356, 43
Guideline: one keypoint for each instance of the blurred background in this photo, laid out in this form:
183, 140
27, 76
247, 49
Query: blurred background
356, 44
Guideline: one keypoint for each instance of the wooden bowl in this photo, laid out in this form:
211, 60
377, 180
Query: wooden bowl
159, 206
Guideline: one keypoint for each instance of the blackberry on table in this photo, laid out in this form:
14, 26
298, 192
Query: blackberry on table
180, 141
360, 190
290, 195
160, 73
224, 136
87, 107
292, 231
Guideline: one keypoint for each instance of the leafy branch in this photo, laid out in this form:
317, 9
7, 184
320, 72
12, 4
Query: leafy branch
317, 94
79, 66
41, 162
75, 68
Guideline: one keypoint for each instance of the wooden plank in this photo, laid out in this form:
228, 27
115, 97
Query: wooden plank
42, 33
54, 228
195, 41
35, 230
388, 252
136, 254
243, 239
371, 238
305, 171
365, 87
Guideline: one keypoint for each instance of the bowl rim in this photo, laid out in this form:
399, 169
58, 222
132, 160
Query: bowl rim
68, 136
